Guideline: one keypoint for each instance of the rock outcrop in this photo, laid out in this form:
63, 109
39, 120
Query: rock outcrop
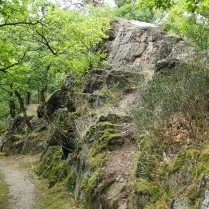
95, 127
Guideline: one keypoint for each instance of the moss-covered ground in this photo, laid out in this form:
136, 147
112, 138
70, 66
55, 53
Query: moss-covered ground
4, 190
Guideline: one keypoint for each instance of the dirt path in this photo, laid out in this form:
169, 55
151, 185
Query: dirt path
22, 190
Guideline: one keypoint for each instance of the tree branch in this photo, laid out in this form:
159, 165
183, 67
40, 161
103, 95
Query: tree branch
46, 43
20, 23
4, 69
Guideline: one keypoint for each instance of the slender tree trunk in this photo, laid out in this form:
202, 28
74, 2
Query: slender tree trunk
38, 97
27, 101
12, 108
42, 97
41, 93
22, 107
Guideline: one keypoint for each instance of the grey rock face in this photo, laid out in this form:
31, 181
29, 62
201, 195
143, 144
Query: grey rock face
140, 48
181, 204
203, 193
205, 203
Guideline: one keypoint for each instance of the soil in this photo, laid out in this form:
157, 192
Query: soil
16, 172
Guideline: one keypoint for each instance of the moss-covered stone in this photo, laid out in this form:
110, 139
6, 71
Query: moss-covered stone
89, 184
116, 119
71, 180
51, 167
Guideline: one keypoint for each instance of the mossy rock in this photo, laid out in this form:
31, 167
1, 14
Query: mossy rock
89, 184
52, 167
71, 180
98, 160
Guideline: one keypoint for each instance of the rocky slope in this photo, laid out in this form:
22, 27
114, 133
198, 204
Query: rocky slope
94, 127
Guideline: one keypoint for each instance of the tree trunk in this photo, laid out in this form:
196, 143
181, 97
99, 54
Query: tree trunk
27, 101
42, 97
12, 108
22, 107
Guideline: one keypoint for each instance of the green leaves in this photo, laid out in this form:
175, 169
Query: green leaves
188, 19
41, 41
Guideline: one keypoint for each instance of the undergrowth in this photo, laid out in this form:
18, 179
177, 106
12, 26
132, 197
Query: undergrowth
4, 190
173, 136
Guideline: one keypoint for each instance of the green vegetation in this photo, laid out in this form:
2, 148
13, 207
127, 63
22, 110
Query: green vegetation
173, 134
51, 167
57, 196
187, 19
3, 193
35, 56
42, 44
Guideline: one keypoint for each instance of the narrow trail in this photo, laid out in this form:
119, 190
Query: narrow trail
22, 192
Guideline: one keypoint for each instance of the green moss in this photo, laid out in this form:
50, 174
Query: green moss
3, 193
39, 169
89, 183
204, 158
51, 167
98, 160
146, 187
71, 181
104, 125
191, 193
55, 197
2, 154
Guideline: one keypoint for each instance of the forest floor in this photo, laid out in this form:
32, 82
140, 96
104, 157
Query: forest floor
17, 173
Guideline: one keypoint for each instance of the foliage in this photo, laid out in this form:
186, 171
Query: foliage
136, 12
187, 19
181, 90
189, 22
121, 3
42, 44
173, 134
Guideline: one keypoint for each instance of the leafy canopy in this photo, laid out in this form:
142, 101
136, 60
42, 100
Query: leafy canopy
41, 41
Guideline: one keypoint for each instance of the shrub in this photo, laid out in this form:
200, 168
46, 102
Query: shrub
182, 91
